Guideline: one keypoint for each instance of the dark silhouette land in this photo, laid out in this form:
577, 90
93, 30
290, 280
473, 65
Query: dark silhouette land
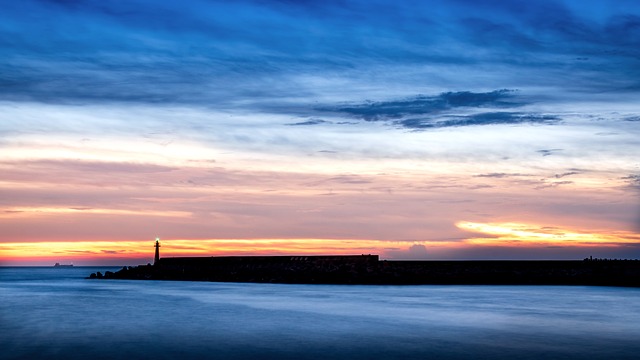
368, 269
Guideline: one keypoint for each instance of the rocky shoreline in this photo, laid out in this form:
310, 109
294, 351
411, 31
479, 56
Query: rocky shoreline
369, 270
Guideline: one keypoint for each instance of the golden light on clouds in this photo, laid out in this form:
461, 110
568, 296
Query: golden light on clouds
515, 234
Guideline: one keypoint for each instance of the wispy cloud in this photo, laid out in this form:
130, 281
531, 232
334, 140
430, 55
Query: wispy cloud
633, 180
309, 122
491, 118
549, 152
546, 185
500, 175
45, 211
86, 166
559, 176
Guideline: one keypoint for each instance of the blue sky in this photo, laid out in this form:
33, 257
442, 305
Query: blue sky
273, 55
525, 111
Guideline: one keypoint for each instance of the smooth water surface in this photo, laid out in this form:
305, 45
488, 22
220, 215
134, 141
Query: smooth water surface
54, 313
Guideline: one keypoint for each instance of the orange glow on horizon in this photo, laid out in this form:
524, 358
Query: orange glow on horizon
518, 234
506, 235
95, 250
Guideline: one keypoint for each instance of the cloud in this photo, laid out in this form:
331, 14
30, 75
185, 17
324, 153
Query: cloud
490, 118
223, 77
558, 176
519, 233
350, 179
479, 187
548, 152
445, 110
633, 180
500, 175
309, 122
421, 104
85, 166
113, 252
342, 179
413, 252
553, 184
263, 54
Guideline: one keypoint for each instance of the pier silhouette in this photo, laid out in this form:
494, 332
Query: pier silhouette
369, 269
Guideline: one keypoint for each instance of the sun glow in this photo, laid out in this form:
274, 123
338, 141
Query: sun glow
515, 234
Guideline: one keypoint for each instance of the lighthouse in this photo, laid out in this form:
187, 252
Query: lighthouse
157, 246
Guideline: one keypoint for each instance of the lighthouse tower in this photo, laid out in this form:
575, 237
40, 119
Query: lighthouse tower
157, 246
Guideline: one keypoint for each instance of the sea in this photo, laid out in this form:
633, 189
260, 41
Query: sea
55, 313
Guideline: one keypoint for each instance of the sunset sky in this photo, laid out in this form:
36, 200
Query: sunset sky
453, 129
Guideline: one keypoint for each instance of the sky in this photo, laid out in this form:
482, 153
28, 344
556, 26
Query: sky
431, 130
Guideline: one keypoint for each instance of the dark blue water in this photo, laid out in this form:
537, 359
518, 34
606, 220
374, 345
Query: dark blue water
48, 313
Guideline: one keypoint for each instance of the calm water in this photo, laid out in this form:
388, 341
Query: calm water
48, 313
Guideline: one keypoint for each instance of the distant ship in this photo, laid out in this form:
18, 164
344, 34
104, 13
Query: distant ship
62, 265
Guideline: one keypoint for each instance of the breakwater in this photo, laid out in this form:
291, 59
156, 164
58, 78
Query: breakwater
368, 269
